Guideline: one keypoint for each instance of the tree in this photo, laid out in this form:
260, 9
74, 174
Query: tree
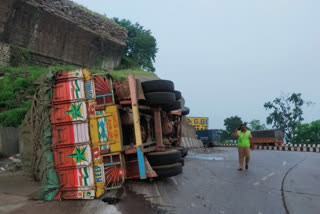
256, 125
307, 133
287, 113
232, 123
224, 136
141, 47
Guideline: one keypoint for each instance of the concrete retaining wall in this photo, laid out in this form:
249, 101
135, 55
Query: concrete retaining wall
188, 142
54, 38
9, 141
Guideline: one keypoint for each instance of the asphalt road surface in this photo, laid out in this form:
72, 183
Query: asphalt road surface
276, 182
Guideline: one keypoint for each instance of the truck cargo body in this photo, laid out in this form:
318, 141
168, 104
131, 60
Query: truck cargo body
268, 137
208, 137
101, 135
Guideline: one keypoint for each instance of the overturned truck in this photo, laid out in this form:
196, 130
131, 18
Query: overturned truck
92, 133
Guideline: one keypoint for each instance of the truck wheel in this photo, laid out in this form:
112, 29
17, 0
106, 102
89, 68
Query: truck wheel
181, 149
160, 98
158, 86
181, 161
185, 111
163, 158
185, 152
178, 95
168, 170
175, 106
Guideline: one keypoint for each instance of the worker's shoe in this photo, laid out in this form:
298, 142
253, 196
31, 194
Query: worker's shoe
247, 167
240, 169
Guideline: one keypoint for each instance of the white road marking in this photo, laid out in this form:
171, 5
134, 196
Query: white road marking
264, 178
267, 176
174, 181
284, 163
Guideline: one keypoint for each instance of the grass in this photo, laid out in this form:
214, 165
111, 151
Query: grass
17, 88
90, 11
122, 75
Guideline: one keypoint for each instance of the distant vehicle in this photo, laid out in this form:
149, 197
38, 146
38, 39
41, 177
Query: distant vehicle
199, 123
272, 137
209, 137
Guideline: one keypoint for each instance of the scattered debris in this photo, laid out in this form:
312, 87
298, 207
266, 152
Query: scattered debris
11, 164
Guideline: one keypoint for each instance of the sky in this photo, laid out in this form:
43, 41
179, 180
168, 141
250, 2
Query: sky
229, 57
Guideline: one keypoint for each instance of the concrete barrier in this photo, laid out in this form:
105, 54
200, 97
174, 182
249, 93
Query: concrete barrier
191, 142
9, 141
294, 147
290, 148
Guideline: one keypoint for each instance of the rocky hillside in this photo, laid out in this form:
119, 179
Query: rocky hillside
59, 32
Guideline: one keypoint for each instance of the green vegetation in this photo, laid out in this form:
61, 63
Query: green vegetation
256, 125
307, 133
122, 75
141, 47
286, 113
17, 88
19, 56
16, 91
231, 124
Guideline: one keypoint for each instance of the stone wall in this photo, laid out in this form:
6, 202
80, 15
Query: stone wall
9, 141
54, 33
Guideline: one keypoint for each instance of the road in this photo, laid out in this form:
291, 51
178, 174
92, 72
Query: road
210, 183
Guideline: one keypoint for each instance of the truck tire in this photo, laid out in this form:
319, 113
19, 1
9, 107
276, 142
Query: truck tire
160, 98
185, 111
185, 153
178, 95
168, 170
163, 158
181, 149
175, 106
181, 161
157, 86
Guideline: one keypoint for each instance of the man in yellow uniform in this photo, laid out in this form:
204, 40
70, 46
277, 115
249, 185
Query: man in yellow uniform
244, 138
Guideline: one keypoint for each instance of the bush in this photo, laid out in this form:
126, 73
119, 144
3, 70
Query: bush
13, 117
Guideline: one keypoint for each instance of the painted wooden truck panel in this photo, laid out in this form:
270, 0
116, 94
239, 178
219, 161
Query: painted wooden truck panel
70, 134
87, 139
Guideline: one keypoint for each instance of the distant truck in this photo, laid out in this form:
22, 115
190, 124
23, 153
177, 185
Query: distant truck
272, 137
209, 137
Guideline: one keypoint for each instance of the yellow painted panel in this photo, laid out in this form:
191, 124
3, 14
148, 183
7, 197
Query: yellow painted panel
114, 129
87, 74
199, 123
94, 132
136, 120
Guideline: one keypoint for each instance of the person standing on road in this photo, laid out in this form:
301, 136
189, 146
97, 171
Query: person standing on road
244, 138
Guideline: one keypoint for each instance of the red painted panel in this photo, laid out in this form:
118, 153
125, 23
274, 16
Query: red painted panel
76, 178
61, 92
73, 156
67, 135
64, 92
67, 113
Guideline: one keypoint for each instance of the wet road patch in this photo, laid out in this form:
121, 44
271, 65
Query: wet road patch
203, 156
